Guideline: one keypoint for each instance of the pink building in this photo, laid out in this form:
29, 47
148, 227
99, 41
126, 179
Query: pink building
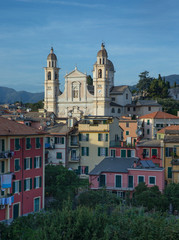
21, 170
121, 175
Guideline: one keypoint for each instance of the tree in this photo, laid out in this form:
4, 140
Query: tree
35, 106
89, 80
172, 194
144, 82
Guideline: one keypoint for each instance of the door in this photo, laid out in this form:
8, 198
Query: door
36, 204
16, 210
102, 180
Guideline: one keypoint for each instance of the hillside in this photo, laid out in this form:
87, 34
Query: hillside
9, 95
172, 79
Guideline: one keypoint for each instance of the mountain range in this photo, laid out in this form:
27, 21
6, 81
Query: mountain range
9, 95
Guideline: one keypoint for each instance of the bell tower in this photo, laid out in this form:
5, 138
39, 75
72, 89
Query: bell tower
103, 74
51, 83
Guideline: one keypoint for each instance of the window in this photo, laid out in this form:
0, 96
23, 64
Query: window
102, 180
27, 184
154, 152
28, 145
83, 170
130, 181
99, 73
113, 153
27, 163
59, 155
134, 109
119, 110
16, 165
169, 172
16, 187
169, 152
85, 151
118, 181
84, 137
103, 60
140, 179
56, 76
145, 153
113, 99
152, 180
128, 109
17, 144
113, 110
102, 151
2, 145
103, 137
148, 131
37, 162
123, 153
49, 75
59, 140
127, 124
128, 153
73, 154
75, 93
37, 143
149, 108
148, 122
127, 132
2, 166
37, 204
126, 95
100, 61
37, 182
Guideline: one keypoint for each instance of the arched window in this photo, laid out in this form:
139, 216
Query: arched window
75, 93
119, 110
52, 63
49, 63
100, 61
113, 110
49, 75
56, 76
99, 73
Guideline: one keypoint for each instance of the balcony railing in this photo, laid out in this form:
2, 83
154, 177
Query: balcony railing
114, 143
74, 144
5, 200
6, 154
175, 161
75, 159
49, 146
118, 188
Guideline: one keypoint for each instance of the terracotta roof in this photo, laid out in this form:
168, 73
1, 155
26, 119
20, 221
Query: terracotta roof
172, 128
149, 143
159, 115
12, 128
171, 139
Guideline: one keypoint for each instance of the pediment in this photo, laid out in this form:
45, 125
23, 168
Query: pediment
75, 73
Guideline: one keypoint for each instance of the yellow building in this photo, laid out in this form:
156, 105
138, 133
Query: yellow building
91, 141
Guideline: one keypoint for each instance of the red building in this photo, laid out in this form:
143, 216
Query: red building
122, 149
149, 150
21, 170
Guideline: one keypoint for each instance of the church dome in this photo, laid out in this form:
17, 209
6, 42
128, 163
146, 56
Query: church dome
102, 52
52, 55
110, 64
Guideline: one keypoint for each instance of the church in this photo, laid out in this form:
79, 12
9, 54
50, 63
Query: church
79, 99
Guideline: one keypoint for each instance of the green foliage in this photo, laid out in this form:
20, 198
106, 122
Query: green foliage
89, 80
172, 193
92, 198
35, 106
144, 81
158, 88
169, 105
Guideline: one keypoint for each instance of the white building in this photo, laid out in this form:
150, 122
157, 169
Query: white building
79, 98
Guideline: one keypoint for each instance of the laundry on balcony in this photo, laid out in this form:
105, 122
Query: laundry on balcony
6, 180
7, 154
7, 200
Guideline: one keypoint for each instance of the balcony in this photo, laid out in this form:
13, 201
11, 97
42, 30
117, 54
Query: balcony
93, 127
74, 144
5, 200
75, 159
114, 143
49, 146
117, 188
175, 161
6, 154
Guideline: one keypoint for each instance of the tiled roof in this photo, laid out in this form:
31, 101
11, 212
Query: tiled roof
118, 89
111, 164
147, 103
171, 139
172, 128
149, 143
12, 128
58, 129
113, 104
159, 115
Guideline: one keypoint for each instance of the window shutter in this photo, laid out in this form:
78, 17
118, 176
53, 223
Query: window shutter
20, 183
106, 137
30, 163
3, 145
106, 152
24, 163
82, 151
86, 170
13, 187
99, 136
40, 183
62, 140
34, 162
25, 185
128, 153
99, 151
79, 169
30, 183
87, 151
34, 182
169, 172
118, 181
2, 166
80, 137
87, 137
55, 140
40, 162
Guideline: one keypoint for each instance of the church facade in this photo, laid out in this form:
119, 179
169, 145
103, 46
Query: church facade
78, 99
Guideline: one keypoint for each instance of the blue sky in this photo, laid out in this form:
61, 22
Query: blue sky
139, 35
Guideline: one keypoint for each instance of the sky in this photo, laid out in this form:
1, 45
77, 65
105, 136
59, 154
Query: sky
139, 35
